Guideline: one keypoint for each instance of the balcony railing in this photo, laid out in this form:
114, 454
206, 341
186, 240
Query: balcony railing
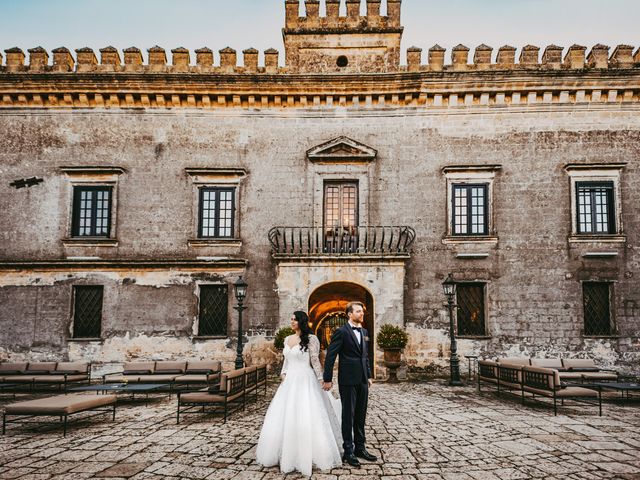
341, 240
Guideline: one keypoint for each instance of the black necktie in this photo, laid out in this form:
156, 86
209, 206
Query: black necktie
358, 329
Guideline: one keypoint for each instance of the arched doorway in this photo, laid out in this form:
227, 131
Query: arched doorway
327, 311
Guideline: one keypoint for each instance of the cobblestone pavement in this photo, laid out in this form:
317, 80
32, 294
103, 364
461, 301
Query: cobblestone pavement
419, 431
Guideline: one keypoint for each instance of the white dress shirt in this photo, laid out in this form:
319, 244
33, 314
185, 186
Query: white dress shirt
357, 333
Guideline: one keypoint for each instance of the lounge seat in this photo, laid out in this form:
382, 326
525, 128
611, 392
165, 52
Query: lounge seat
515, 360
229, 397
59, 406
555, 363
36, 374
181, 373
546, 382
587, 370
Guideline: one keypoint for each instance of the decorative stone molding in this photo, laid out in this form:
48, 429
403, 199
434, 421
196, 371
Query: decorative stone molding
342, 150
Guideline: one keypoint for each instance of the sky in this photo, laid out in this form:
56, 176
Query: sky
241, 24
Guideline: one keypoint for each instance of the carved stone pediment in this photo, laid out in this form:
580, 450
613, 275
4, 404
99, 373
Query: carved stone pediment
342, 150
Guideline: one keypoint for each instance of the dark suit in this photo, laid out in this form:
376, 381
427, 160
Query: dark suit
353, 375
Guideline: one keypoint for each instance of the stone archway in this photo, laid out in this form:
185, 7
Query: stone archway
327, 306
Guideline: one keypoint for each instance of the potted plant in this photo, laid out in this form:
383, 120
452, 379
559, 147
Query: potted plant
392, 340
278, 340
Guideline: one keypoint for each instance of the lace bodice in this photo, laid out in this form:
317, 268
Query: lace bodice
294, 357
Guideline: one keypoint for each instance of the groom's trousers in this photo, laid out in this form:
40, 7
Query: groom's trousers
354, 413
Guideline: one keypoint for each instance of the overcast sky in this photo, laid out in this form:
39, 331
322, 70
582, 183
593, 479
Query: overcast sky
257, 23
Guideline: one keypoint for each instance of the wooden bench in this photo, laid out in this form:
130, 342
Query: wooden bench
61, 406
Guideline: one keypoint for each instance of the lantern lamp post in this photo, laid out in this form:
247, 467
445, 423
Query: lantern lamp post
241, 293
449, 289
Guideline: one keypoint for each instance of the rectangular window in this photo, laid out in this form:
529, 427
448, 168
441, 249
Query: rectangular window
597, 308
87, 311
91, 211
217, 209
471, 312
213, 310
595, 207
340, 205
340, 217
470, 215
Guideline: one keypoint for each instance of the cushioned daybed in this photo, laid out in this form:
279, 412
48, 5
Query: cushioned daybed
61, 406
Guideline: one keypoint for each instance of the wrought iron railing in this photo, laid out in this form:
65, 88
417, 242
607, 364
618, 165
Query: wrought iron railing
341, 240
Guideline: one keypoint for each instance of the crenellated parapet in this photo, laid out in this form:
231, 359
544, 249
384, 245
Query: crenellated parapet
132, 61
575, 58
460, 59
333, 22
350, 43
157, 79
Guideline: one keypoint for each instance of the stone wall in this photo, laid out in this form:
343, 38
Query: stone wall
533, 270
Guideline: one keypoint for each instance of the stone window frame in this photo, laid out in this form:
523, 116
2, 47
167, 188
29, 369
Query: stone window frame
213, 177
196, 324
341, 159
601, 172
93, 176
325, 174
471, 175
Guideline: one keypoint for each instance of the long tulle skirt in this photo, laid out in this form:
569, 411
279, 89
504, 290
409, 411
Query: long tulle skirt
301, 428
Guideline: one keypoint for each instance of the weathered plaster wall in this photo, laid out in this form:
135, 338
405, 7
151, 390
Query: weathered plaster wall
533, 273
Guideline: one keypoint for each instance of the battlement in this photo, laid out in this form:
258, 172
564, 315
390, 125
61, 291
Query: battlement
86, 61
575, 58
132, 60
332, 21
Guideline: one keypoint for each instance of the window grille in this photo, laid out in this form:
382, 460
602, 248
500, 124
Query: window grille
213, 310
597, 308
87, 311
595, 208
91, 211
471, 309
470, 210
217, 209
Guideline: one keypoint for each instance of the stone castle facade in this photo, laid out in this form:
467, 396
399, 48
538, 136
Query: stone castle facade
134, 193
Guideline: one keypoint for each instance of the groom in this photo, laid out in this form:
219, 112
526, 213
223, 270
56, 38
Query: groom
351, 344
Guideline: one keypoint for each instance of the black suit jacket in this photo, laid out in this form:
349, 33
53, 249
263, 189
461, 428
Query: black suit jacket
353, 368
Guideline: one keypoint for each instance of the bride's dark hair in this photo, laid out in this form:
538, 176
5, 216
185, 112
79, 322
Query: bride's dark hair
305, 330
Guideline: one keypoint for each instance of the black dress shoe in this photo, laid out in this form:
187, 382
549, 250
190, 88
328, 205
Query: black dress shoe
362, 453
351, 460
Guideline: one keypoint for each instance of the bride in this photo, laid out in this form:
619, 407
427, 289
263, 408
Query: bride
301, 427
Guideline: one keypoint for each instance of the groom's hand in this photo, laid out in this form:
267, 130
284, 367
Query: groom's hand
326, 386
370, 382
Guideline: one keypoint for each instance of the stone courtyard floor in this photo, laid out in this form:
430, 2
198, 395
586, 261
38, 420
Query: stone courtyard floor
419, 431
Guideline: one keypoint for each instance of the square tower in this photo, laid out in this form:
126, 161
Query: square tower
342, 44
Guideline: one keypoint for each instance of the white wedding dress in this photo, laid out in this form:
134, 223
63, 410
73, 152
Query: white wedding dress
301, 427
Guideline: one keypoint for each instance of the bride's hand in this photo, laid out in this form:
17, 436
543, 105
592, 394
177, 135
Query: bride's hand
282, 376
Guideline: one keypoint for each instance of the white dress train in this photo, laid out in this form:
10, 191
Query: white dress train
301, 427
